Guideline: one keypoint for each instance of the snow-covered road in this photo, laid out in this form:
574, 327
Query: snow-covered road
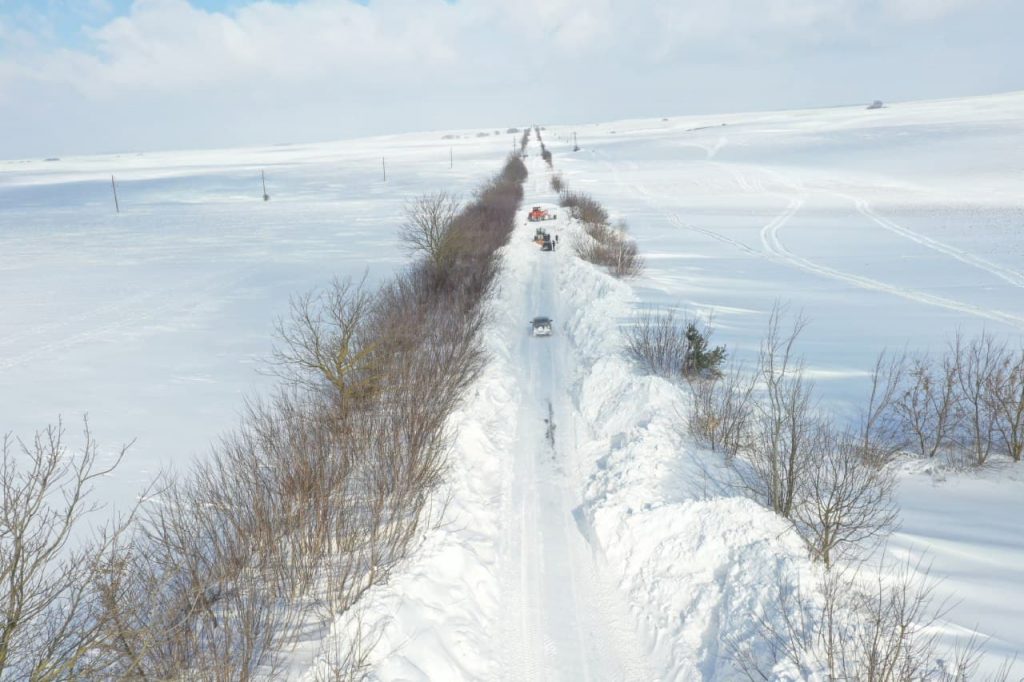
563, 620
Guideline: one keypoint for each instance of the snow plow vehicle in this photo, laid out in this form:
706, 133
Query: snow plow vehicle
541, 236
538, 214
541, 326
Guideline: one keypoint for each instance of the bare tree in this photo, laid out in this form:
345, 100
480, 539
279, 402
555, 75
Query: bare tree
1006, 393
978, 363
880, 434
784, 421
427, 229
926, 404
324, 340
50, 627
844, 501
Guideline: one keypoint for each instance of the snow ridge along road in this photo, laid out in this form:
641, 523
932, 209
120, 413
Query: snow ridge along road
562, 618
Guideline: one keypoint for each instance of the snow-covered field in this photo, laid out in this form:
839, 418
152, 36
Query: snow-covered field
603, 552
156, 321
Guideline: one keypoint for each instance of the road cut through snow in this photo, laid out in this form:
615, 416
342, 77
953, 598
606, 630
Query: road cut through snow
564, 618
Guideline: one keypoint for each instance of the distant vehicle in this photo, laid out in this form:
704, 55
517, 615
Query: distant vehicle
541, 326
877, 104
538, 214
547, 244
541, 235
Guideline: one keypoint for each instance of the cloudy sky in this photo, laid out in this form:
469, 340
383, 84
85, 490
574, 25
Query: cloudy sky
82, 76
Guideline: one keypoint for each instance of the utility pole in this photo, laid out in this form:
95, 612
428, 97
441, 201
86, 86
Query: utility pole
575, 145
451, 158
384, 168
266, 197
113, 186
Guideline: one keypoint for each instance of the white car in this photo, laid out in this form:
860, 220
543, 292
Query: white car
541, 326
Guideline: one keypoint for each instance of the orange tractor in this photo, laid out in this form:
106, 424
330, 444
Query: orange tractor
538, 214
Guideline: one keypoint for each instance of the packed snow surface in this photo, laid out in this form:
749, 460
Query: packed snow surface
585, 536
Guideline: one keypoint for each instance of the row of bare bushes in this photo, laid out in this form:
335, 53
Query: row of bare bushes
320, 492
545, 153
787, 454
831, 482
601, 243
965, 404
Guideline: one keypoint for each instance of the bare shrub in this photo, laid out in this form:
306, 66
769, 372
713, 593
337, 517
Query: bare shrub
618, 254
192, 596
625, 259
721, 410
545, 154
879, 432
785, 424
347, 659
50, 625
557, 182
844, 502
602, 233
926, 403
978, 363
850, 628
584, 207
673, 347
1006, 393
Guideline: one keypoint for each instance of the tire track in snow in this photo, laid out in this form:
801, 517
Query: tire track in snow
1009, 275
774, 247
715, 235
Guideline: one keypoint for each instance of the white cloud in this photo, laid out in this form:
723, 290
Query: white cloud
379, 62
170, 45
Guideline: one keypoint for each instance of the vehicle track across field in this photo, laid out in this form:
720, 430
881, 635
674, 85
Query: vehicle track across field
773, 248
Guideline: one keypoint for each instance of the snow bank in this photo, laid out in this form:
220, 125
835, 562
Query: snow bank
694, 562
